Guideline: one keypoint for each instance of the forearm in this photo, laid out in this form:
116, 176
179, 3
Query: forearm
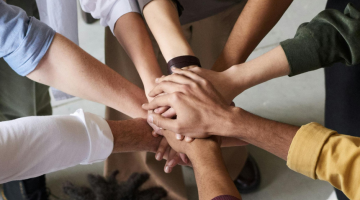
132, 136
272, 136
132, 34
67, 67
271, 65
163, 21
219, 182
255, 21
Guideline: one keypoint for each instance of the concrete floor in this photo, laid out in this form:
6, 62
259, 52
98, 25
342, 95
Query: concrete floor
297, 100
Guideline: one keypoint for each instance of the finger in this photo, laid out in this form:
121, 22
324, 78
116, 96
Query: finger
167, 169
174, 161
189, 74
167, 152
179, 137
161, 110
193, 67
157, 130
157, 79
161, 122
169, 113
161, 149
153, 133
184, 158
164, 87
177, 78
188, 139
161, 101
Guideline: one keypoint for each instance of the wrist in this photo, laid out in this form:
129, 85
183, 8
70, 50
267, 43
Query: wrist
199, 157
238, 78
133, 135
231, 123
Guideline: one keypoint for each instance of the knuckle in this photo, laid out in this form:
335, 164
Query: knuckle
205, 82
194, 85
157, 122
196, 69
185, 88
177, 128
176, 96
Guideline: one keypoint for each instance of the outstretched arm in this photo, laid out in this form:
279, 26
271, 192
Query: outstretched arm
255, 21
124, 20
206, 158
330, 37
163, 20
67, 67
132, 34
38, 145
33, 49
311, 150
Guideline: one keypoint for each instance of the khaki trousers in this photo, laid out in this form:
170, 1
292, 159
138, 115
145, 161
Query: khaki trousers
207, 38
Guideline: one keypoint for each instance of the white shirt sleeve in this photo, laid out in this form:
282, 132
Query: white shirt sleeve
109, 11
32, 146
60, 15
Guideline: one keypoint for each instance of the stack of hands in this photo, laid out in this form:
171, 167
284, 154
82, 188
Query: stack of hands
190, 109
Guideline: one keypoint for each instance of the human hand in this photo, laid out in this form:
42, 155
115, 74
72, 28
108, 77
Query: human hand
193, 149
200, 109
172, 157
164, 111
222, 81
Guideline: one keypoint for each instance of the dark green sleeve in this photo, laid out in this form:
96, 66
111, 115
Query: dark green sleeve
329, 38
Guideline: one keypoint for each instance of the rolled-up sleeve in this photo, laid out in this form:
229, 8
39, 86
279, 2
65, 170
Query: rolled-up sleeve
330, 37
33, 146
23, 40
321, 153
109, 11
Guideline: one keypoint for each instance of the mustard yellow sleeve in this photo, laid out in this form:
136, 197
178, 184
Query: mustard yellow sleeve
321, 153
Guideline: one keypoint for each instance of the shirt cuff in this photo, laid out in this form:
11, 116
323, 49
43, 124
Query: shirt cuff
119, 9
100, 137
32, 49
306, 148
301, 52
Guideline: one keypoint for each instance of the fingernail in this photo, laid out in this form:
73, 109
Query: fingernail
158, 156
167, 169
143, 105
173, 68
156, 80
150, 119
156, 110
188, 139
171, 163
178, 136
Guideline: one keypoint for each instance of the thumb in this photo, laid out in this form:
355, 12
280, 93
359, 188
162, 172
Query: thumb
161, 122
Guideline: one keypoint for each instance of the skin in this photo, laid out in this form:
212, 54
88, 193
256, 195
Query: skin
133, 135
255, 21
67, 67
205, 163
196, 95
131, 32
163, 20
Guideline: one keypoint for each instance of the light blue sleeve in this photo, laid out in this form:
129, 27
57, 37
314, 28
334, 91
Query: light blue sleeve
23, 40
